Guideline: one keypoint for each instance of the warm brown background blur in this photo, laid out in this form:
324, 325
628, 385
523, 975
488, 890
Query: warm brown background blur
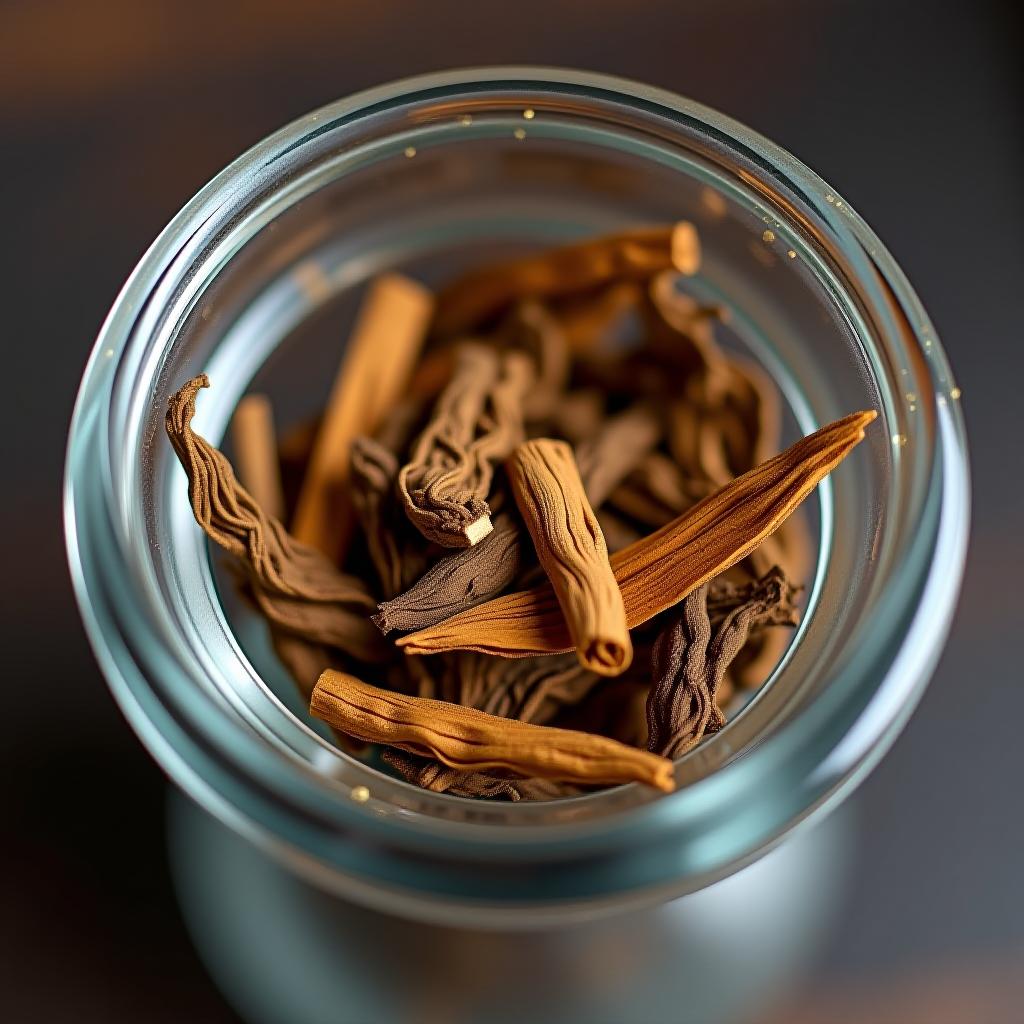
113, 114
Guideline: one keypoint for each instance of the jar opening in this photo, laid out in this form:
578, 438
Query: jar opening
256, 282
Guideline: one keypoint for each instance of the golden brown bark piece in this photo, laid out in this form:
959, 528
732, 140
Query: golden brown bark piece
255, 443
471, 740
660, 570
374, 372
628, 256
570, 546
478, 419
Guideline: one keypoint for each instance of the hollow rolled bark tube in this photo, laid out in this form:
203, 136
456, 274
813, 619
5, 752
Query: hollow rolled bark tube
571, 548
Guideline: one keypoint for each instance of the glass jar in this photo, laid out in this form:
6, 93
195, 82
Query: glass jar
255, 279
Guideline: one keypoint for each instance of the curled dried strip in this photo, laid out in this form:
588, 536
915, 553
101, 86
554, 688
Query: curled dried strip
762, 652
471, 740
634, 255
681, 330
726, 596
295, 586
689, 661
660, 570
570, 546
681, 705
477, 421
728, 418
231, 518
529, 327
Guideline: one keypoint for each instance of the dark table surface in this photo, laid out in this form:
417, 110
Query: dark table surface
113, 114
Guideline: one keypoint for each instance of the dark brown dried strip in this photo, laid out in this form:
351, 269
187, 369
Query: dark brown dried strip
476, 422
689, 660
295, 586
439, 778
373, 472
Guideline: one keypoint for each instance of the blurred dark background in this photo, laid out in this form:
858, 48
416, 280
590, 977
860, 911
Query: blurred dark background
113, 114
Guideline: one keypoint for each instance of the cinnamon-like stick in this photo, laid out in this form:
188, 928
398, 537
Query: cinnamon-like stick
571, 548
630, 255
472, 740
373, 374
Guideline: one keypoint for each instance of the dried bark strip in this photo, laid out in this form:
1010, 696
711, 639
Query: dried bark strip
374, 371
571, 547
295, 586
374, 473
629, 256
532, 329
727, 418
660, 570
622, 442
690, 658
462, 580
477, 420
471, 740
439, 778
528, 689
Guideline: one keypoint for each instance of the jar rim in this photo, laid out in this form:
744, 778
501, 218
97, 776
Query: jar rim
823, 752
